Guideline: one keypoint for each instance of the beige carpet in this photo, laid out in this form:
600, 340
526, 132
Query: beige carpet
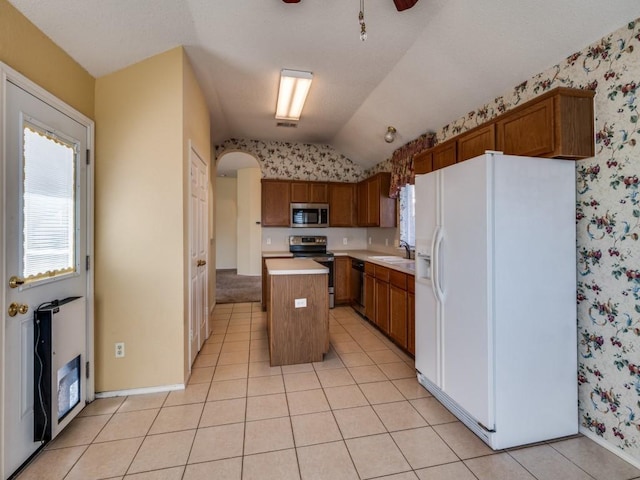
234, 288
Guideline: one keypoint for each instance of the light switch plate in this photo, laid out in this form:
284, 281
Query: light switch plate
300, 302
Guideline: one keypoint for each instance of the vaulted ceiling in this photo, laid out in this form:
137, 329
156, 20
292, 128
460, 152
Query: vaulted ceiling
418, 70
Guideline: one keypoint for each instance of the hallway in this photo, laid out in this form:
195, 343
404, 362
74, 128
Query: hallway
360, 414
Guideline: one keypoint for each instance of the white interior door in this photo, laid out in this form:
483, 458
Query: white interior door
199, 228
45, 225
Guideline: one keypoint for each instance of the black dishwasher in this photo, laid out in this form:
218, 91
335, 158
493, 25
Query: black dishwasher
357, 285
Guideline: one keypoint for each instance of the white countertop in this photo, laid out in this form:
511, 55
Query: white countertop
369, 256
294, 266
364, 255
276, 254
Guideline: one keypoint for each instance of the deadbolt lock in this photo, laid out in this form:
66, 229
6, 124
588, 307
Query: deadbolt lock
17, 308
15, 282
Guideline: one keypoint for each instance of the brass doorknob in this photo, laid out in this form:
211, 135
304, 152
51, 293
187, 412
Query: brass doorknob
15, 282
17, 308
201, 263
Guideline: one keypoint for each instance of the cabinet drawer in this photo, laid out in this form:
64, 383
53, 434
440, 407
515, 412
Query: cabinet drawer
369, 268
382, 273
398, 279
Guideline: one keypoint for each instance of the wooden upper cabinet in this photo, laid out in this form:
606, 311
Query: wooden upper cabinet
275, 203
363, 203
423, 162
299, 192
343, 204
309, 192
558, 124
528, 132
375, 208
475, 142
444, 154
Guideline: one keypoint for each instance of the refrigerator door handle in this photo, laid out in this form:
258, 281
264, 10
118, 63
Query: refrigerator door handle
436, 249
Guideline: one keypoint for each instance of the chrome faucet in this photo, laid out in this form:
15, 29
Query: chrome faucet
406, 247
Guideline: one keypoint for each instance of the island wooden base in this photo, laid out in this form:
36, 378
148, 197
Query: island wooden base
297, 335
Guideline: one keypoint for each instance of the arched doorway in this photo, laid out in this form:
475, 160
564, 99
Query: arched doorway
238, 230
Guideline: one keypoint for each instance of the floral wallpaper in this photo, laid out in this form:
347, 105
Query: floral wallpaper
608, 226
297, 161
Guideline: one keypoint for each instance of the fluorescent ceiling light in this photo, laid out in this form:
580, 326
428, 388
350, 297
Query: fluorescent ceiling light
294, 87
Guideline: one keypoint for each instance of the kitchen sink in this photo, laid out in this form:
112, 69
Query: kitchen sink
392, 259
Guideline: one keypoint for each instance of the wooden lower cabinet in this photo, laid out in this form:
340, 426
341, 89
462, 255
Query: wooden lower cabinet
411, 314
390, 303
342, 280
398, 305
370, 297
297, 335
382, 305
265, 279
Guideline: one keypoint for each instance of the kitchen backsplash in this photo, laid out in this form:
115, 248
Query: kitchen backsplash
297, 161
279, 238
608, 228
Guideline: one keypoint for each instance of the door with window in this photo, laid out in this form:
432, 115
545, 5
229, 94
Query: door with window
45, 225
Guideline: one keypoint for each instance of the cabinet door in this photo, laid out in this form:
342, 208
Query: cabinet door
476, 142
423, 162
373, 202
370, 298
300, 192
363, 204
411, 314
318, 192
343, 205
411, 323
382, 305
398, 313
342, 281
275, 203
444, 155
529, 132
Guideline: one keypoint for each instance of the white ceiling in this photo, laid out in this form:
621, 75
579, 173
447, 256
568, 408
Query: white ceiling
418, 70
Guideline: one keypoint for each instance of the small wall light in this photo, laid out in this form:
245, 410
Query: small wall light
390, 136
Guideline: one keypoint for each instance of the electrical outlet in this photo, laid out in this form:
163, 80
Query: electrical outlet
386, 242
300, 302
345, 241
120, 350
369, 240
268, 240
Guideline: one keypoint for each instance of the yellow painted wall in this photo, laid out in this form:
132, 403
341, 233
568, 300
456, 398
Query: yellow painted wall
139, 224
29, 51
196, 128
226, 222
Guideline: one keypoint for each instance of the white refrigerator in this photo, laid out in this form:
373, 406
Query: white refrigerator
496, 334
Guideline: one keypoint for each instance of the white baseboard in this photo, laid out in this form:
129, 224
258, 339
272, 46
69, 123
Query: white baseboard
140, 391
613, 449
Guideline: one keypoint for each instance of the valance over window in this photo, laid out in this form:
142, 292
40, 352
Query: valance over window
402, 172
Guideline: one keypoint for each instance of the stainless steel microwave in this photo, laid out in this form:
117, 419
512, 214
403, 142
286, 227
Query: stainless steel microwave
309, 215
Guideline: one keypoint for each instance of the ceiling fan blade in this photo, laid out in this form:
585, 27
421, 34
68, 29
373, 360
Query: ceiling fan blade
404, 4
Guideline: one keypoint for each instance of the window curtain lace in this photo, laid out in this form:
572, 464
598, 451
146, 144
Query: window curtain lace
402, 172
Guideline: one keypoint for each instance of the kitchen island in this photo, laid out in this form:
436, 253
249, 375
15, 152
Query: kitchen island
297, 310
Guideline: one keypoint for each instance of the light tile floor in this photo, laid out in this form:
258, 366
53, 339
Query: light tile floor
360, 414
